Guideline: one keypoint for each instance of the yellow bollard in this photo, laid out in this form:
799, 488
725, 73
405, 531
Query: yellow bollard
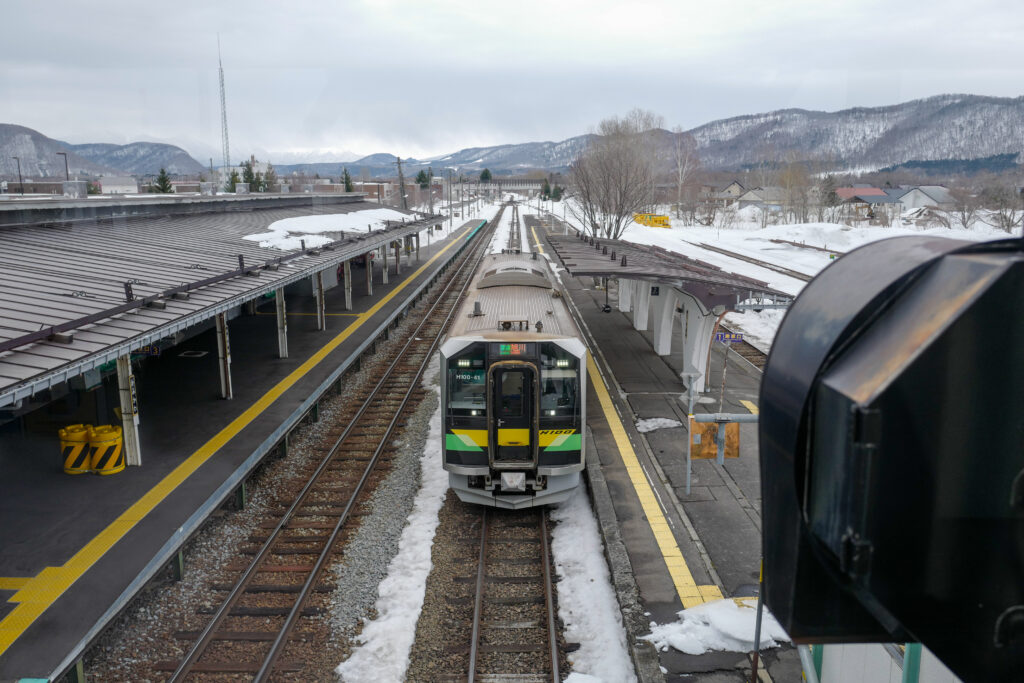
74, 447
106, 450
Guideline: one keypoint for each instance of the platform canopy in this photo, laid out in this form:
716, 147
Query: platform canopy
82, 284
620, 259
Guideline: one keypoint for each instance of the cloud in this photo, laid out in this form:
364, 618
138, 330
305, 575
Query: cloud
428, 78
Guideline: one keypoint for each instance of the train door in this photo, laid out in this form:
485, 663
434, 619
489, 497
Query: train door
513, 414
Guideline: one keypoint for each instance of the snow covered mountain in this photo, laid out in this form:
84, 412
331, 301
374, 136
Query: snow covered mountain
140, 158
39, 159
940, 127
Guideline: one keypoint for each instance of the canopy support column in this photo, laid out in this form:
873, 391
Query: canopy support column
282, 323
224, 357
129, 410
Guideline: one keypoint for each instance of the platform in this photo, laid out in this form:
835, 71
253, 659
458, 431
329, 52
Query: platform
76, 549
714, 531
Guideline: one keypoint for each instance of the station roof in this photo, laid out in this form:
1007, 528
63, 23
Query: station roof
708, 283
65, 304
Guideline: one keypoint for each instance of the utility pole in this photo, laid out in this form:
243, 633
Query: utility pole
401, 184
21, 183
430, 189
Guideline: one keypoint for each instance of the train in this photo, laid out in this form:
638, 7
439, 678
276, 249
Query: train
513, 388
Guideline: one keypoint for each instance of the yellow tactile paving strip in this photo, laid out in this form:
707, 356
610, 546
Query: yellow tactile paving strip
690, 594
750, 405
36, 594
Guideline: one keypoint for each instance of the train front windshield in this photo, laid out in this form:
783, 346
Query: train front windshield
467, 384
559, 381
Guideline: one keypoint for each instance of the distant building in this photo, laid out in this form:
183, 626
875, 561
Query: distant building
928, 195
118, 185
769, 196
35, 187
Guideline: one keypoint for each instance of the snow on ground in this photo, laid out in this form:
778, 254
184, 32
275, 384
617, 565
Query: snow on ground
586, 601
744, 235
500, 237
720, 625
286, 233
387, 640
651, 423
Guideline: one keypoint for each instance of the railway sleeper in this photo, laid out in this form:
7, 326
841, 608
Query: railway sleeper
263, 611
230, 667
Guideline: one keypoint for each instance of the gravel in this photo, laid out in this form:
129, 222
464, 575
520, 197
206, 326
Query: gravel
143, 634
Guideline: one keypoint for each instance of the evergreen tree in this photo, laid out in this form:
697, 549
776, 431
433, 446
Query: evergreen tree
556, 193
163, 183
248, 176
422, 180
347, 179
269, 178
485, 176
545, 189
232, 182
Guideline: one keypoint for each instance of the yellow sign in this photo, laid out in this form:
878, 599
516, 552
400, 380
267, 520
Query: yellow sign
704, 439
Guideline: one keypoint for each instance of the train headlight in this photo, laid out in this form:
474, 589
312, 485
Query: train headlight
464, 362
474, 412
551, 412
562, 363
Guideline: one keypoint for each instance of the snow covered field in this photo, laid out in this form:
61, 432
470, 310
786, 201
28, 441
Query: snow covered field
746, 237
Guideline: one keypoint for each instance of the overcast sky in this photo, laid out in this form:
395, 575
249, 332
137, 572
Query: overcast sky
427, 78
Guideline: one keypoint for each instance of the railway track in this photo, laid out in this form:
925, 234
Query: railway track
262, 628
748, 351
758, 262
514, 624
489, 615
515, 244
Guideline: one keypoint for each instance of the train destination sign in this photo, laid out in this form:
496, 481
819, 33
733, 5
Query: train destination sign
512, 349
728, 337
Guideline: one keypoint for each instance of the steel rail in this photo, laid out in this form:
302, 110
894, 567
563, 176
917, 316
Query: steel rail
205, 637
549, 599
758, 262
478, 606
282, 637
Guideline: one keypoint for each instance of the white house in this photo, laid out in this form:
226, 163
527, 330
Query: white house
927, 195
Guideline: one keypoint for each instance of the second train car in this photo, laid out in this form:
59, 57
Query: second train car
513, 388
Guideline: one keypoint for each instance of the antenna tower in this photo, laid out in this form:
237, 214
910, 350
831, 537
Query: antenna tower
223, 116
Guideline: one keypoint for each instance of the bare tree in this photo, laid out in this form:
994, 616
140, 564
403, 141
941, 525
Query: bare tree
793, 178
685, 163
1004, 206
614, 176
965, 210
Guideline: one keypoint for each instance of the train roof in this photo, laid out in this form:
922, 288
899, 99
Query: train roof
515, 292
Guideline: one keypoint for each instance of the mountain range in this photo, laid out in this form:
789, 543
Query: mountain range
934, 129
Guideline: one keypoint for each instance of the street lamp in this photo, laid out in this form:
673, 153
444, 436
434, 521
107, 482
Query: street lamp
67, 176
21, 183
